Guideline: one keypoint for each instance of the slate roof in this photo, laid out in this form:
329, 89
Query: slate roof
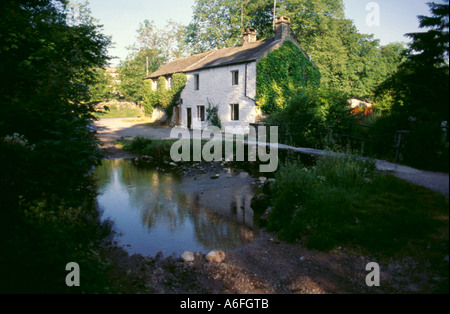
218, 57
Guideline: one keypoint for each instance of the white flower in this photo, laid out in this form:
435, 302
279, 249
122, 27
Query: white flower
17, 139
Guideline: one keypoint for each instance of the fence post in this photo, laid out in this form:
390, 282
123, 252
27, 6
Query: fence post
399, 143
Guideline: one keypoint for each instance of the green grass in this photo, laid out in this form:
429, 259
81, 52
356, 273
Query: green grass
156, 148
341, 201
115, 112
345, 202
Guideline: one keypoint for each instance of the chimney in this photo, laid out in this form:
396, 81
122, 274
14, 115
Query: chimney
282, 28
249, 36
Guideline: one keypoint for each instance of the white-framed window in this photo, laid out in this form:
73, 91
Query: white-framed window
201, 113
154, 84
234, 112
235, 77
169, 82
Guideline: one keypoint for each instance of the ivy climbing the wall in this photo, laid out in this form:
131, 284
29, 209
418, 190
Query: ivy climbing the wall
164, 97
212, 115
280, 73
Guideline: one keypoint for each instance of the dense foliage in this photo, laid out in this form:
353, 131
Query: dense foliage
104, 88
153, 48
342, 201
133, 71
348, 60
279, 73
419, 93
164, 97
46, 98
47, 148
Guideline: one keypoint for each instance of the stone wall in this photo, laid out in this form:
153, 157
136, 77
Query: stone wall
216, 88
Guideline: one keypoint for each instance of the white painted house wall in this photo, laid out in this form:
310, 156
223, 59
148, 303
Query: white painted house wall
215, 87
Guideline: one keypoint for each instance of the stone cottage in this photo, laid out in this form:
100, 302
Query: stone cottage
225, 78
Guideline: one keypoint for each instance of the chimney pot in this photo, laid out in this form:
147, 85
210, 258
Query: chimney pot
249, 36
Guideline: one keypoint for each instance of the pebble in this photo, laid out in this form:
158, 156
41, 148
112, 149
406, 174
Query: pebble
188, 256
243, 175
215, 256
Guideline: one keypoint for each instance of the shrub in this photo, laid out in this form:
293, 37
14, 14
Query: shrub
212, 115
342, 201
312, 115
158, 149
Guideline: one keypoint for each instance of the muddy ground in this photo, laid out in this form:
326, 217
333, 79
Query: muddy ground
271, 266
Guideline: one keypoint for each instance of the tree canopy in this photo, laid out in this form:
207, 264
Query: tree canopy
420, 86
153, 48
348, 60
49, 64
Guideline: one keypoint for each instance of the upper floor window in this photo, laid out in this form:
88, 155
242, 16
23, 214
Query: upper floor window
235, 77
170, 82
196, 81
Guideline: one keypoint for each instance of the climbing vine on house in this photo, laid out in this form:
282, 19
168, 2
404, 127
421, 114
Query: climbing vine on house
164, 97
280, 73
212, 114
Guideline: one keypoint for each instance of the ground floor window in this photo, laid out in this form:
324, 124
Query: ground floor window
201, 113
234, 112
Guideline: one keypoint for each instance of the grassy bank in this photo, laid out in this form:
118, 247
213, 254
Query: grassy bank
345, 202
114, 111
341, 201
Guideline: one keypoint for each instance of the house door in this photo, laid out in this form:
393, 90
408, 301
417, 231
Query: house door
189, 118
177, 114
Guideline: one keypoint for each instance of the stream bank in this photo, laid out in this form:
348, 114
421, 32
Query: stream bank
268, 265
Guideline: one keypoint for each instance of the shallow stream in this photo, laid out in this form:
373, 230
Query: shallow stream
156, 210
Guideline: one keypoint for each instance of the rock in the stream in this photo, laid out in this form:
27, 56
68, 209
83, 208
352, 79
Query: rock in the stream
215, 256
187, 256
260, 202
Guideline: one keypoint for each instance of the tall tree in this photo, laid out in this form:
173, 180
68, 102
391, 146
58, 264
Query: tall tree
153, 48
420, 86
215, 24
45, 100
347, 59
419, 91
